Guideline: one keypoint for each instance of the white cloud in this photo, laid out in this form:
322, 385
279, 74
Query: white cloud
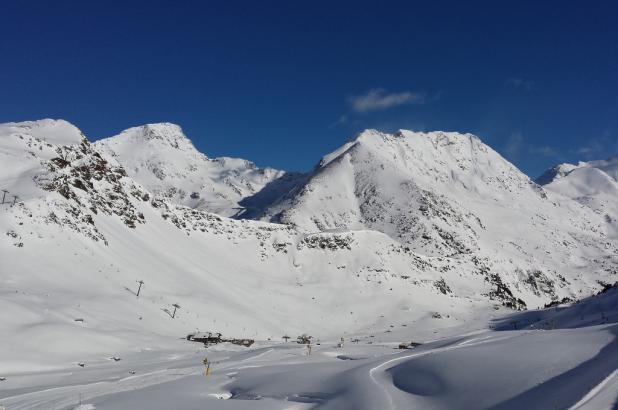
520, 83
514, 145
342, 120
599, 148
544, 151
379, 99
590, 151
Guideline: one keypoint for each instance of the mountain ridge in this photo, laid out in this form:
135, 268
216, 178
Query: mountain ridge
431, 245
165, 160
593, 184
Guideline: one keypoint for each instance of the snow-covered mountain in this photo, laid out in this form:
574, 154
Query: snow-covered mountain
593, 184
164, 160
449, 195
83, 232
427, 230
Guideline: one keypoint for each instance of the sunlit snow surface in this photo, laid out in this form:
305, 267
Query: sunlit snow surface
594, 184
394, 238
558, 359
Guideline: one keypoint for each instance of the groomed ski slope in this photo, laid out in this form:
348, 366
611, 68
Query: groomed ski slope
559, 358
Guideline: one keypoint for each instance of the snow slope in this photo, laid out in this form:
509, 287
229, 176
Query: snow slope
568, 365
162, 159
381, 239
84, 232
38, 141
450, 195
593, 184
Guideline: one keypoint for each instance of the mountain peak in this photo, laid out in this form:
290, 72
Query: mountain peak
428, 147
438, 138
554, 173
608, 166
164, 133
155, 129
161, 158
57, 132
368, 134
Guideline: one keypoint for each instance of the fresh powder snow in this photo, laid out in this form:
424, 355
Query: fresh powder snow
428, 270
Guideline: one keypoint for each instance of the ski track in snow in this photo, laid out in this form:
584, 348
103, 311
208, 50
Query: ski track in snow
66, 396
466, 343
233, 366
608, 385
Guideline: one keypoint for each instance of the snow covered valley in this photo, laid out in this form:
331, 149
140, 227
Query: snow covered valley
563, 357
113, 252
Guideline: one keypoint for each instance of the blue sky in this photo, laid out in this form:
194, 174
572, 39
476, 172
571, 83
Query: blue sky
283, 83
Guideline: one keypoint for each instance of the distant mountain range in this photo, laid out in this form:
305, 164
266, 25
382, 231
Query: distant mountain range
428, 226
